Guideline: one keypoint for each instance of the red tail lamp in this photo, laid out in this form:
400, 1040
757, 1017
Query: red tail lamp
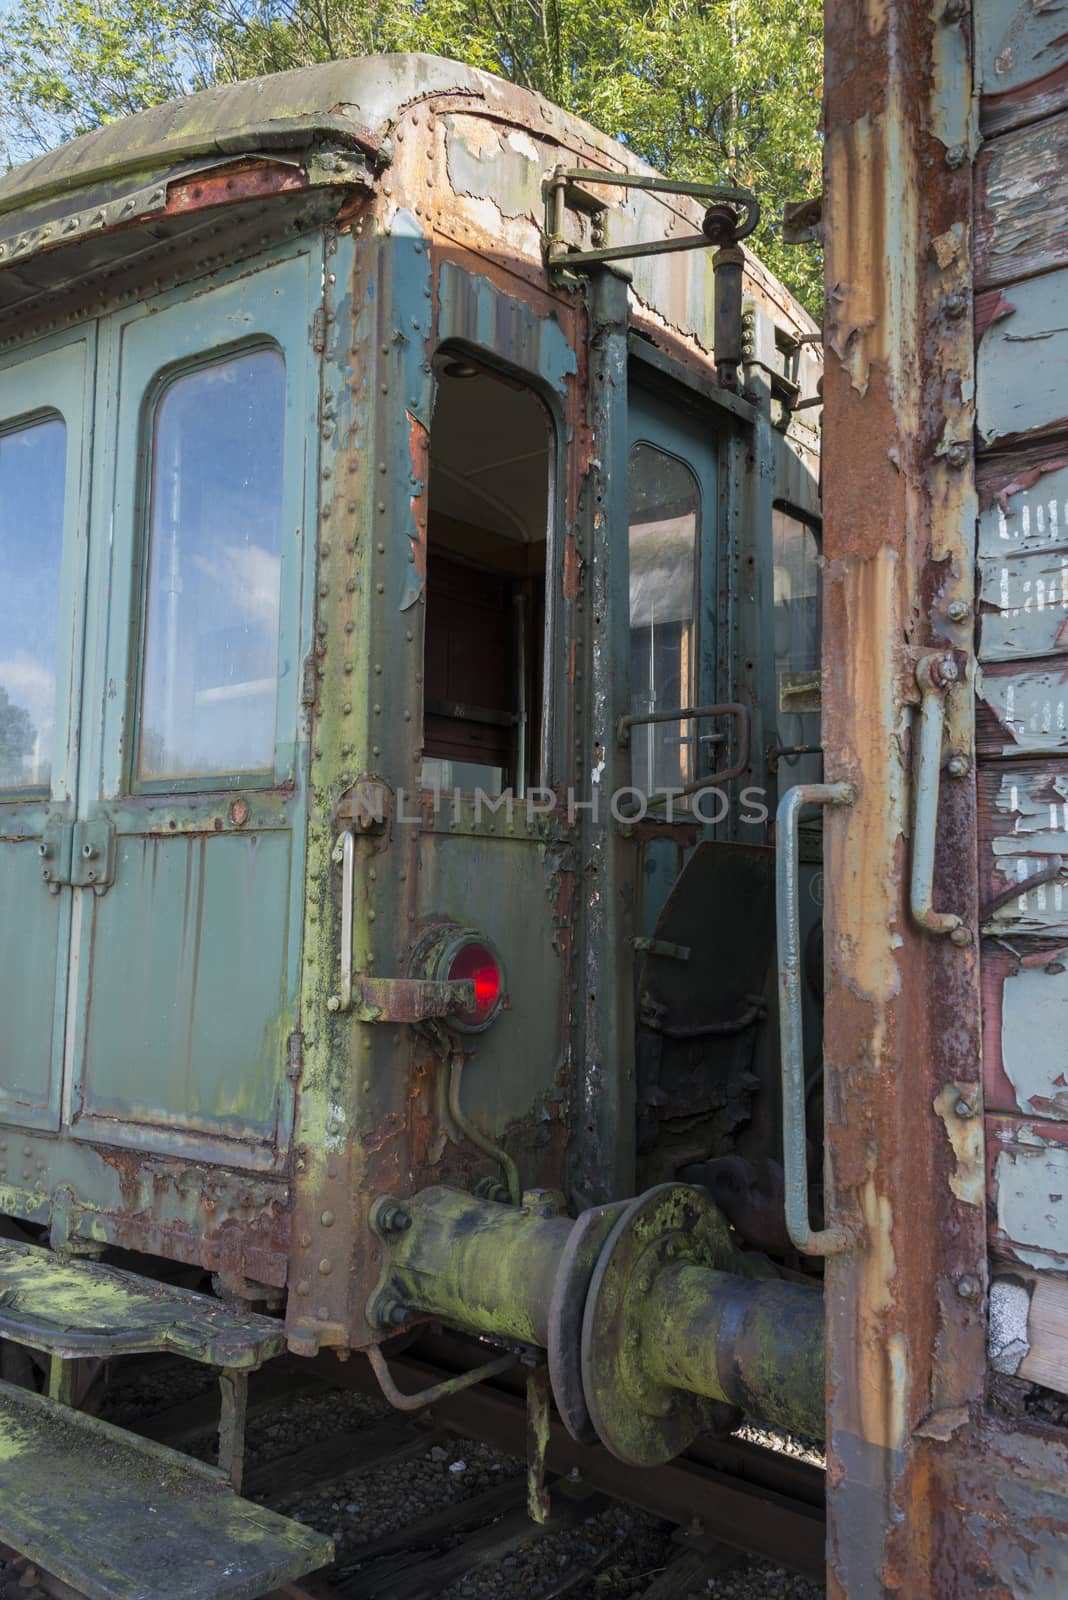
449, 954
477, 961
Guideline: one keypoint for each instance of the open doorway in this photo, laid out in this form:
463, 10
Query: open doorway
485, 700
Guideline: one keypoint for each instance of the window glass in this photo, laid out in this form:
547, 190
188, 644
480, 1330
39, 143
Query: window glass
797, 617
32, 475
209, 680
664, 510
797, 573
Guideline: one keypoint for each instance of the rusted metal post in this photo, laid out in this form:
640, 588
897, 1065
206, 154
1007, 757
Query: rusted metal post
905, 1339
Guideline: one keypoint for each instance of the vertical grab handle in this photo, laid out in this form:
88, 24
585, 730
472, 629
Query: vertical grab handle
810, 1241
345, 854
934, 674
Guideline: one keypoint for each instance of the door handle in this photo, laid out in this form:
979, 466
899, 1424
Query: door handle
345, 855
934, 674
811, 1242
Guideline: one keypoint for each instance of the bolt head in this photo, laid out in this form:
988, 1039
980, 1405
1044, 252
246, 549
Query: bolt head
957, 611
964, 1108
958, 766
947, 670
397, 1314
969, 1287
961, 937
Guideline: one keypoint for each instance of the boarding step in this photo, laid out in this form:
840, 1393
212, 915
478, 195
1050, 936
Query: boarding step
71, 1307
121, 1518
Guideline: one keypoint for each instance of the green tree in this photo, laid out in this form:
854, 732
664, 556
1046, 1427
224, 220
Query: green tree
721, 90
16, 738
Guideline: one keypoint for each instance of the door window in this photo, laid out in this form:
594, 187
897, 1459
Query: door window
210, 665
485, 711
664, 511
796, 565
32, 475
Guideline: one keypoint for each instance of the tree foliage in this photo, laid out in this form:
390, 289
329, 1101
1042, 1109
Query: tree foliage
721, 90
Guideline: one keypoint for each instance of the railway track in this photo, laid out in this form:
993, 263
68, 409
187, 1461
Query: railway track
433, 1505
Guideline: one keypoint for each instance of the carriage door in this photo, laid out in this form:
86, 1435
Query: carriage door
672, 534
188, 851
45, 401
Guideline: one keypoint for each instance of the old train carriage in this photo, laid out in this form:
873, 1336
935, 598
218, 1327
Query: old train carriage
397, 592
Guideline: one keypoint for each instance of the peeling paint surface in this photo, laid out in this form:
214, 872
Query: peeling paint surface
1034, 1028
1021, 361
1030, 1188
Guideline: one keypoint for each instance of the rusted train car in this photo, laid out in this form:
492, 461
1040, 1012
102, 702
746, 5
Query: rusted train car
400, 584
412, 517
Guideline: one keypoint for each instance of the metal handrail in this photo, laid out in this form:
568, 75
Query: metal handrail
934, 674
811, 1242
730, 708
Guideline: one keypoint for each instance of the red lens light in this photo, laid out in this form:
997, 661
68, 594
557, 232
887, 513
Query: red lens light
474, 961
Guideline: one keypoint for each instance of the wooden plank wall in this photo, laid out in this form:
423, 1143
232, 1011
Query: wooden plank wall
1021, 325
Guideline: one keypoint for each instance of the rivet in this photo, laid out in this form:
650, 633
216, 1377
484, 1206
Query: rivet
326, 1266
958, 766
957, 611
969, 1287
303, 1287
322, 1312
960, 937
956, 156
305, 1240
964, 1108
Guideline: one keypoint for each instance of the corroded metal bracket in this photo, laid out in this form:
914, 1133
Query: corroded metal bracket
80, 855
566, 184
410, 999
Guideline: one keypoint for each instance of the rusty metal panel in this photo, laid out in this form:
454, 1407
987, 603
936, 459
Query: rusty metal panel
1021, 360
1021, 64
1023, 566
1025, 1012
1022, 710
1023, 840
1027, 1177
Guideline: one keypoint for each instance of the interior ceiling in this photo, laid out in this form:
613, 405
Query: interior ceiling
489, 456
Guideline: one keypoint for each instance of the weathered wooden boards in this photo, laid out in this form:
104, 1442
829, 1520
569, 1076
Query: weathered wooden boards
1021, 321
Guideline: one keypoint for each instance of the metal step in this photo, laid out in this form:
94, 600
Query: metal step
121, 1518
71, 1306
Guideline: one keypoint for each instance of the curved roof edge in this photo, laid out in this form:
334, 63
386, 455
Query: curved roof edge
360, 98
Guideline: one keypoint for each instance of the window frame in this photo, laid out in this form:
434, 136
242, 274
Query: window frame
548, 757
641, 441
155, 392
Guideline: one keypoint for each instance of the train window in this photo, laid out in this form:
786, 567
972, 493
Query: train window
32, 474
664, 512
489, 497
796, 563
209, 673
